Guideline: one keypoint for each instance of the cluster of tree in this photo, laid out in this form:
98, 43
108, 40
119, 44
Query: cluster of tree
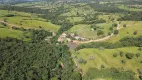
109, 73
109, 8
47, 14
125, 42
34, 60
135, 16
131, 2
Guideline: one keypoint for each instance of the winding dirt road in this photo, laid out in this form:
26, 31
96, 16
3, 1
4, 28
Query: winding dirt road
98, 40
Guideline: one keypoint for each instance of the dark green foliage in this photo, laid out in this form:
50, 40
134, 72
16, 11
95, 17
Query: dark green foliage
35, 60
108, 8
116, 32
115, 55
140, 49
134, 16
114, 25
125, 42
9, 15
129, 55
3, 24
100, 32
124, 25
102, 66
121, 53
109, 33
138, 55
38, 35
112, 73
135, 32
123, 61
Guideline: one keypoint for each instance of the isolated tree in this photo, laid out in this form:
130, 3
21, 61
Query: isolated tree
116, 32
100, 32
115, 55
123, 61
114, 25
121, 53
138, 55
135, 32
140, 49
124, 25
129, 55
109, 33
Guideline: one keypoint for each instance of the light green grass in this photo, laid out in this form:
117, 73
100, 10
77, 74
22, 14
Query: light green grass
5, 32
128, 31
32, 21
83, 30
105, 57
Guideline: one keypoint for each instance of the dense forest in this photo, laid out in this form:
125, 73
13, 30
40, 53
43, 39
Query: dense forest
35, 60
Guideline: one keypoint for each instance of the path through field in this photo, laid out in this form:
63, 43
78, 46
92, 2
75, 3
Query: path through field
98, 40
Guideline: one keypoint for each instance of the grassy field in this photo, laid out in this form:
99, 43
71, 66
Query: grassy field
105, 57
27, 20
5, 32
128, 31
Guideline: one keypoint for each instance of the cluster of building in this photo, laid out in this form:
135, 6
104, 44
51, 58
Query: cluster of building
64, 36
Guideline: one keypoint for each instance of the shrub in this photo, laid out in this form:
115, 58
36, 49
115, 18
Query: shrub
100, 32
116, 32
129, 55
123, 61
135, 32
124, 25
3, 24
115, 55
121, 53
138, 55
102, 66
109, 33
82, 61
140, 49
114, 25
101, 48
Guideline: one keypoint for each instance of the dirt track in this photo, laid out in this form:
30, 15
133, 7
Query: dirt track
98, 40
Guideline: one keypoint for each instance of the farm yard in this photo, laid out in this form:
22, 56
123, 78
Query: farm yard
97, 36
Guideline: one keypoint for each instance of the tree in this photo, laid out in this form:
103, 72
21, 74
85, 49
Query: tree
115, 55
114, 25
116, 32
100, 32
140, 49
124, 25
129, 55
121, 53
138, 55
123, 61
109, 33
135, 32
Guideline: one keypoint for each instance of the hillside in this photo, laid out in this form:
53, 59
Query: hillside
71, 40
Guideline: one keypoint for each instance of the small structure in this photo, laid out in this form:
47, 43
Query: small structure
62, 37
91, 57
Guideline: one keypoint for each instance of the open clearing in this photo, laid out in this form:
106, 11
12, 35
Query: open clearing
105, 57
128, 31
27, 20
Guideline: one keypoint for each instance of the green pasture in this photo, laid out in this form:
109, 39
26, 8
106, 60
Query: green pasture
131, 26
105, 57
27, 20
